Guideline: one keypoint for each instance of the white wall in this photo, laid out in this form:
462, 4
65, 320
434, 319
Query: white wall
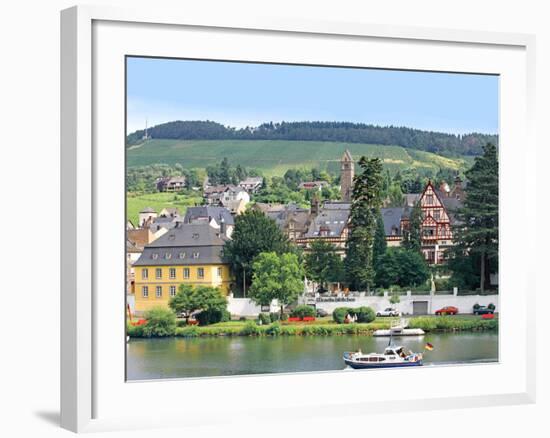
29, 81
435, 302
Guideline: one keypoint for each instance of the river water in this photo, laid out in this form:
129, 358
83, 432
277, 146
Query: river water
224, 356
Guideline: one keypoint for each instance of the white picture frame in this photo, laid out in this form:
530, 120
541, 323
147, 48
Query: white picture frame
93, 395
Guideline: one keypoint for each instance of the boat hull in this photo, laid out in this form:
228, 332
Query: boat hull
360, 366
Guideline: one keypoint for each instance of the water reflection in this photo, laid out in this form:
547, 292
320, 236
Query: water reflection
199, 357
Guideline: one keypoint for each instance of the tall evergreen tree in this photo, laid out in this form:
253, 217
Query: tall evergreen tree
225, 172
365, 208
380, 245
477, 231
412, 238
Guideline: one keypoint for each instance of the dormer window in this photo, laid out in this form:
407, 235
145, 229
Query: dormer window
182, 255
196, 255
168, 255
154, 256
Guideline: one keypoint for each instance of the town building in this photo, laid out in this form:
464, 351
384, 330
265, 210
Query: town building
313, 185
219, 218
171, 183
218, 195
186, 254
251, 184
146, 215
292, 219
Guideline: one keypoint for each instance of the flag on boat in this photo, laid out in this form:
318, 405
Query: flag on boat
428, 346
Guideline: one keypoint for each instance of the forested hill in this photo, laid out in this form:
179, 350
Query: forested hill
436, 142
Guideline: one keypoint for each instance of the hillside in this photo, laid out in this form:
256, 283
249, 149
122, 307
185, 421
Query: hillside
274, 157
441, 143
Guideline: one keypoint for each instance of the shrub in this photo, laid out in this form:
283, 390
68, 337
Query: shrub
135, 331
303, 311
242, 318
265, 318
160, 322
339, 314
365, 314
284, 316
274, 329
250, 329
212, 316
275, 316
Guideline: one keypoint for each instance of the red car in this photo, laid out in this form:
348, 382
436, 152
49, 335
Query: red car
448, 310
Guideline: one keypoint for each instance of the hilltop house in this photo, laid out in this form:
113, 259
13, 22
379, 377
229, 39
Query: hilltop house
251, 184
170, 183
186, 254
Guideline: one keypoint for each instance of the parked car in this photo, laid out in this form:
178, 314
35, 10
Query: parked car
321, 313
388, 311
447, 310
483, 310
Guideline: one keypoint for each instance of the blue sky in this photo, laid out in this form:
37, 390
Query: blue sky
241, 94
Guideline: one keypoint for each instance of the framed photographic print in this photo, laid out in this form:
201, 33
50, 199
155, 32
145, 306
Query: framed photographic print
271, 207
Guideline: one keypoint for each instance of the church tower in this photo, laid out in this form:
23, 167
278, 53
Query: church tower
346, 176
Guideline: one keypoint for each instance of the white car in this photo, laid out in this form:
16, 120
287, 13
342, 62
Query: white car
388, 311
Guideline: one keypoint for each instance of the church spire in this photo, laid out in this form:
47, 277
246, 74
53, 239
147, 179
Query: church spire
347, 170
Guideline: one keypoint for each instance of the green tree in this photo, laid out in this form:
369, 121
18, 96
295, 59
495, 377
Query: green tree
402, 267
253, 234
224, 172
190, 299
365, 207
476, 232
412, 238
276, 276
323, 264
380, 244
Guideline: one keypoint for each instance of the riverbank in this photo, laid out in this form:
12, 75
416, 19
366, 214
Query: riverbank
326, 327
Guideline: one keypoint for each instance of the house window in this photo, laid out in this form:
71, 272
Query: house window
168, 255
145, 273
437, 214
182, 255
172, 273
200, 272
158, 273
154, 256
159, 291
429, 199
172, 291
196, 255
185, 272
145, 292
219, 272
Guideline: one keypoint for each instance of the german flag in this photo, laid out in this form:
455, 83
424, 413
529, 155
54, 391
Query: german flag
428, 346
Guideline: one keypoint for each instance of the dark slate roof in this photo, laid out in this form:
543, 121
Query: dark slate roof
451, 204
336, 205
333, 220
207, 211
392, 218
186, 244
411, 198
291, 211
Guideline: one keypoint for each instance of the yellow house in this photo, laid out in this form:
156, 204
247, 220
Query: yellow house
187, 254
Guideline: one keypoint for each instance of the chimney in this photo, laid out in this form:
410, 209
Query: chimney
458, 182
222, 226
